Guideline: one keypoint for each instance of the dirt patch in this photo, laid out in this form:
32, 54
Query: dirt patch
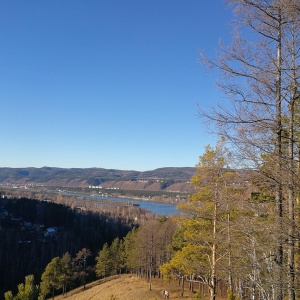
127, 287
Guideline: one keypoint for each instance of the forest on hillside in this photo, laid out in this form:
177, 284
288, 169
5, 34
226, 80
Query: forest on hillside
33, 232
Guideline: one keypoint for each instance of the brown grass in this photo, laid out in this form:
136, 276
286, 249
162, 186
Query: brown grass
127, 287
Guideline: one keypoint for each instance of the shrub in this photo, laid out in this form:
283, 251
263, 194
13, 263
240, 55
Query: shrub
231, 295
198, 295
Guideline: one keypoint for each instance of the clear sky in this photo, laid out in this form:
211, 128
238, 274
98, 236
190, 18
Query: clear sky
106, 83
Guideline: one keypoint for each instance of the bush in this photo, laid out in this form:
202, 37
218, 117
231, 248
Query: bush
198, 295
231, 295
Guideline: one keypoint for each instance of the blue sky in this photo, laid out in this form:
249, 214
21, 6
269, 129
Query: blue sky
108, 83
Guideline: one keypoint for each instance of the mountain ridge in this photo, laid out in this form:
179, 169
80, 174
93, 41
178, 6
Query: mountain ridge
158, 179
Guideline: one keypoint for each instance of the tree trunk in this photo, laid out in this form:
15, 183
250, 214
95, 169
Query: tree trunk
182, 287
279, 161
150, 280
213, 257
230, 281
292, 165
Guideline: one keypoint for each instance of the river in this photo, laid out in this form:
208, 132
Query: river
155, 207
158, 208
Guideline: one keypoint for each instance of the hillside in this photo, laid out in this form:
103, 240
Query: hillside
163, 179
32, 232
128, 287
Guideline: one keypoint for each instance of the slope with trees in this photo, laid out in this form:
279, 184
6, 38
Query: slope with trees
260, 76
33, 232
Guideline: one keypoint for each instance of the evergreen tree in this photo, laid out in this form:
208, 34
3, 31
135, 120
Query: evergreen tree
52, 277
104, 262
205, 221
8, 295
29, 290
130, 249
66, 272
26, 291
117, 253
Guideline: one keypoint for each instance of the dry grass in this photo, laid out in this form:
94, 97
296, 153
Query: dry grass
126, 287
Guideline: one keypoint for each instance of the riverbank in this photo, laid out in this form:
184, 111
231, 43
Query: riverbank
124, 206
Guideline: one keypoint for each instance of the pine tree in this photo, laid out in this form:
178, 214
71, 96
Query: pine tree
104, 262
66, 272
8, 295
115, 254
51, 278
204, 221
130, 242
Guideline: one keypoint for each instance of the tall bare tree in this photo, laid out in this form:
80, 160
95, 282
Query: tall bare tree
260, 75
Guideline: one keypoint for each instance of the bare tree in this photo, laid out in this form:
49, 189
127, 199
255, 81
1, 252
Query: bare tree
82, 268
260, 77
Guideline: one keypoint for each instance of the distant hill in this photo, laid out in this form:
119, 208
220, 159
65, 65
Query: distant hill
169, 179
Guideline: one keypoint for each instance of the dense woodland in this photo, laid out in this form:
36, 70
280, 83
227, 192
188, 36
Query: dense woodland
33, 232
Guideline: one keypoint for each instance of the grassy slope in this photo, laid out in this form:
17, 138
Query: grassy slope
127, 287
